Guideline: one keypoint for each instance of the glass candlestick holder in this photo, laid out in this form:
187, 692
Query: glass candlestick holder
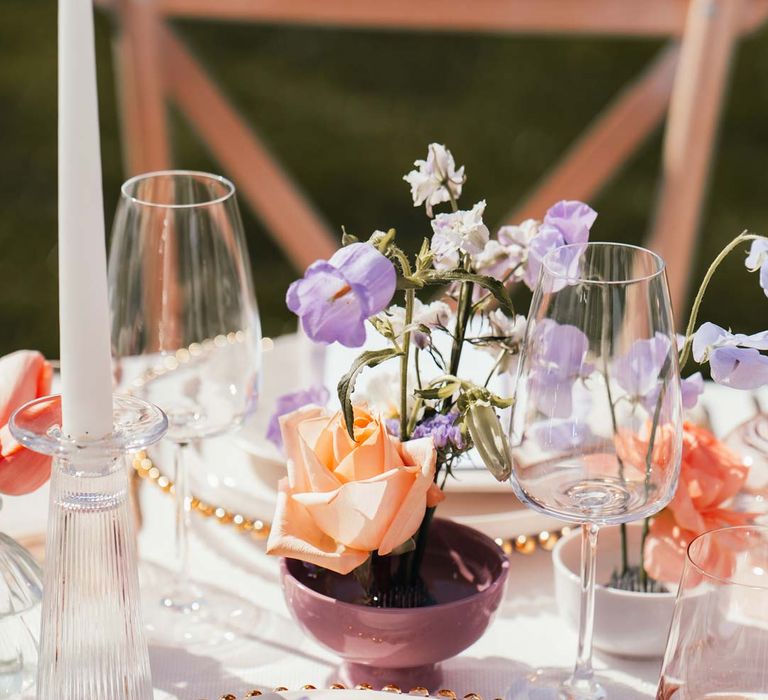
92, 641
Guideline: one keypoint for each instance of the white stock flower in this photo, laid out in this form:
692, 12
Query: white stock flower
508, 334
519, 236
434, 315
504, 326
435, 179
459, 231
379, 390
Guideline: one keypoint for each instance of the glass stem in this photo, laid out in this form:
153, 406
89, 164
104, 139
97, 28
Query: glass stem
183, 503
582, 672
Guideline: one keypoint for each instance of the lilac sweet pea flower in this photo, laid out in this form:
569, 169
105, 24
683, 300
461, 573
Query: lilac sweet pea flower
565, 223
563, 435
504, 256
291, 402
758, 259
734, 359
336, 296
573, 219
558, 361
691, 388
638, 371
566, 434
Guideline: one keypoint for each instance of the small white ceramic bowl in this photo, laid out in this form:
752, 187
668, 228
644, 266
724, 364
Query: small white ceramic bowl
626, 623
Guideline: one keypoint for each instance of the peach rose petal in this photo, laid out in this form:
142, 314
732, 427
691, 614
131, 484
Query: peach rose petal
376, 455
291, 443
295, 535
411, 512
359, 513
318, 476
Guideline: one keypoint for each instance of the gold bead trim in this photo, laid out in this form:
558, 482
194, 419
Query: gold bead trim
419, 691
259, 529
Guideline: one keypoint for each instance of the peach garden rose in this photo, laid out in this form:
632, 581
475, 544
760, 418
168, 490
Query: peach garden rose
710, 476
344, 498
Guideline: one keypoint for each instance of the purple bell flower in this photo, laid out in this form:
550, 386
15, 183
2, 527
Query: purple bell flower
335, 297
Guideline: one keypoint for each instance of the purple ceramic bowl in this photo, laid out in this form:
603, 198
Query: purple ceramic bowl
464, 570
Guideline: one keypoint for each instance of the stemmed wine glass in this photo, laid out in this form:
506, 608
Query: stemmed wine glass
596, 426
185, 331
718, 642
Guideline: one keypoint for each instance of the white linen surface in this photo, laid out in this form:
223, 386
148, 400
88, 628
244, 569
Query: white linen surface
268, 648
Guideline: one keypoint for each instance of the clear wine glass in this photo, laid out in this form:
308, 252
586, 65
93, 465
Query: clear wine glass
718, 643
185, 330
596, 426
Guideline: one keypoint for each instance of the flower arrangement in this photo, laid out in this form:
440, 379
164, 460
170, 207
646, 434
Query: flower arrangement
363, 483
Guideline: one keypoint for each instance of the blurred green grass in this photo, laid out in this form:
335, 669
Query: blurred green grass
347, 112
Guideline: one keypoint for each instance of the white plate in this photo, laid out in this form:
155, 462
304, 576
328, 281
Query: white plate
240, 472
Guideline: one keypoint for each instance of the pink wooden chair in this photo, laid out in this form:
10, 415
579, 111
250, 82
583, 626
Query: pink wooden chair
686, 82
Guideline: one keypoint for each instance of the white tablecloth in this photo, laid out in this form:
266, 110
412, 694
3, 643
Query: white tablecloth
268, 649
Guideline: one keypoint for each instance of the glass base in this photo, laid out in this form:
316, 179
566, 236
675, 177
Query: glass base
557, 684
195, 617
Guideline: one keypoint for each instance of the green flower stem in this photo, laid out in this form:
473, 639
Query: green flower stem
463, 314
735, 243
604, 341
404, 422
643, 572
417, 556
649, 464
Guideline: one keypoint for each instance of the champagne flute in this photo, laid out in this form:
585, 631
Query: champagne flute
185, 331
718, 643
596, 426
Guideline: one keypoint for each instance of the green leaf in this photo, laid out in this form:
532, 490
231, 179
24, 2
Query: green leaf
496, 288
346, 386
441, 392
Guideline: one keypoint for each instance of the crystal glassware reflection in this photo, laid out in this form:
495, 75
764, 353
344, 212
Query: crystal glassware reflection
185, 336
92, 642
718, 642
21, 590
597, 421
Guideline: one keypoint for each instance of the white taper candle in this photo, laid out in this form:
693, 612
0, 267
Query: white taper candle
86, 372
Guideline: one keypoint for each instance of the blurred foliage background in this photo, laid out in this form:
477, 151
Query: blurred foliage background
347, 112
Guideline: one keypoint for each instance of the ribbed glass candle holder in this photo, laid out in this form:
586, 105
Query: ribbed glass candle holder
92, 641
